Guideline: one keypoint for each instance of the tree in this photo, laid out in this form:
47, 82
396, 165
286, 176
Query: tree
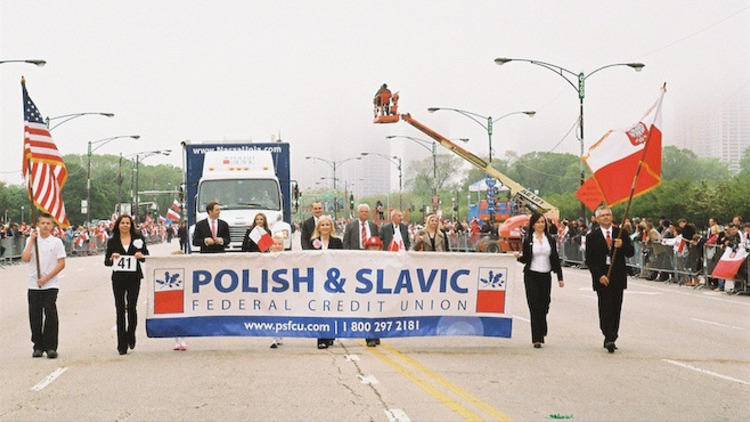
745, 164
422, 173
684, 164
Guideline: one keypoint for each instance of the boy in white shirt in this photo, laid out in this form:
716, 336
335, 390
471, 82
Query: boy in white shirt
42, 294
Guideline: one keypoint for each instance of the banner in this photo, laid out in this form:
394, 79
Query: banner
330, 294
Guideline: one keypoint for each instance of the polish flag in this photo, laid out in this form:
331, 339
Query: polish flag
261, 238
169, 292
395, 246
82, 237
491, 290
176, 206
172, 215
729, 263
162, 220
614, 159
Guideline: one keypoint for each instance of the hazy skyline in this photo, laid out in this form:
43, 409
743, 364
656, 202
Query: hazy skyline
174, 71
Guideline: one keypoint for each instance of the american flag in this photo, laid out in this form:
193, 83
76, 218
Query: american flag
43, 166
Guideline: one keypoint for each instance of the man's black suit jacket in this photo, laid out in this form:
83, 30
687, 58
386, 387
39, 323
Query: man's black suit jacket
306, 230
386, 235
596, 258
351, 234
203, 230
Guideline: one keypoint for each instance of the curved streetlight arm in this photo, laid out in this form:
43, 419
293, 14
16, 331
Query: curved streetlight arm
386, 157
421, 142
549, 66
69, 117
37, 62
102, 142
528, 113
473, 116
636, 66
329, 162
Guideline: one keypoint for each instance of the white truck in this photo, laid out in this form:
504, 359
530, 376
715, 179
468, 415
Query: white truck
244, 181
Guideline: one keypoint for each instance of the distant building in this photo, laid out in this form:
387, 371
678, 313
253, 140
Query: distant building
722, 134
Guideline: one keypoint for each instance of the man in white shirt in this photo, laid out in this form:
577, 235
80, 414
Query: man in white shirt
44, 285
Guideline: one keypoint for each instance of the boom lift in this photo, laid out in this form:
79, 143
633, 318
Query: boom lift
386, 111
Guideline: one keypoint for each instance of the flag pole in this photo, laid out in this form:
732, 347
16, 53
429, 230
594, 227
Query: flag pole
30, 188
632, 187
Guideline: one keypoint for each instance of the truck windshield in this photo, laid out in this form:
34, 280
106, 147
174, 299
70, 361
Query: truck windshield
237, 194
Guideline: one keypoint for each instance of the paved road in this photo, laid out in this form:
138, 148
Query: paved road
684, 355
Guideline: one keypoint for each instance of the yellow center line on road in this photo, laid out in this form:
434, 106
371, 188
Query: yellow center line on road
434, 392
498, 415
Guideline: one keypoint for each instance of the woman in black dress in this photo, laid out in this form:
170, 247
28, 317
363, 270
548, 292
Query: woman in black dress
248, 245
540, 258
125, 250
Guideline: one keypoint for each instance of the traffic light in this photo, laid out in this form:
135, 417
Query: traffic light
351, 201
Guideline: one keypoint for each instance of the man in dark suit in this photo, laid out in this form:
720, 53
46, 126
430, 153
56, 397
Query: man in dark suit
395, 231
211, 234
353, 234
600, 246
308, 226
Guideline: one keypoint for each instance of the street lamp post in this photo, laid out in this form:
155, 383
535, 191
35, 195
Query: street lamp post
397, 161
138, 156
333, 164
578, 86
37, 62
488, 119
69, 117
99, 143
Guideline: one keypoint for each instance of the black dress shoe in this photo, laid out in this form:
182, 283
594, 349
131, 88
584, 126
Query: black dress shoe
330, 341
37, 353
52, 354
122, 351
610, 346
371, 342
131, 342
322, 344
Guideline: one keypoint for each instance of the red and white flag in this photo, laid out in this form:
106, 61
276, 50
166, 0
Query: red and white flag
81, 238
614, 159
176, 206
43, 166
261, 238
172, 215
729, 263
162, 220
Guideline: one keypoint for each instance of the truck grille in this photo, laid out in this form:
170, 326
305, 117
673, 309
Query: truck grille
236, 233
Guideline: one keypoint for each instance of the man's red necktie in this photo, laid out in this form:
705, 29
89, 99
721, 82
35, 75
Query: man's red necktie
213, 228
609, 240
363, 236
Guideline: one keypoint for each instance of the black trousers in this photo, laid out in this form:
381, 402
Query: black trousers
126, 301
43, 318
538, 286
610, 305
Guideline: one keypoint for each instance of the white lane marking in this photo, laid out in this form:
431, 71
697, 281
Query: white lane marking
352, 358
521, 318
396, 415
705, 295
368, 379
49, 378
717, 323
706, 371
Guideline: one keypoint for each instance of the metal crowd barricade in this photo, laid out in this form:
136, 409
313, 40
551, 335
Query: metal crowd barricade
739, 284
570, 250
13, 247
